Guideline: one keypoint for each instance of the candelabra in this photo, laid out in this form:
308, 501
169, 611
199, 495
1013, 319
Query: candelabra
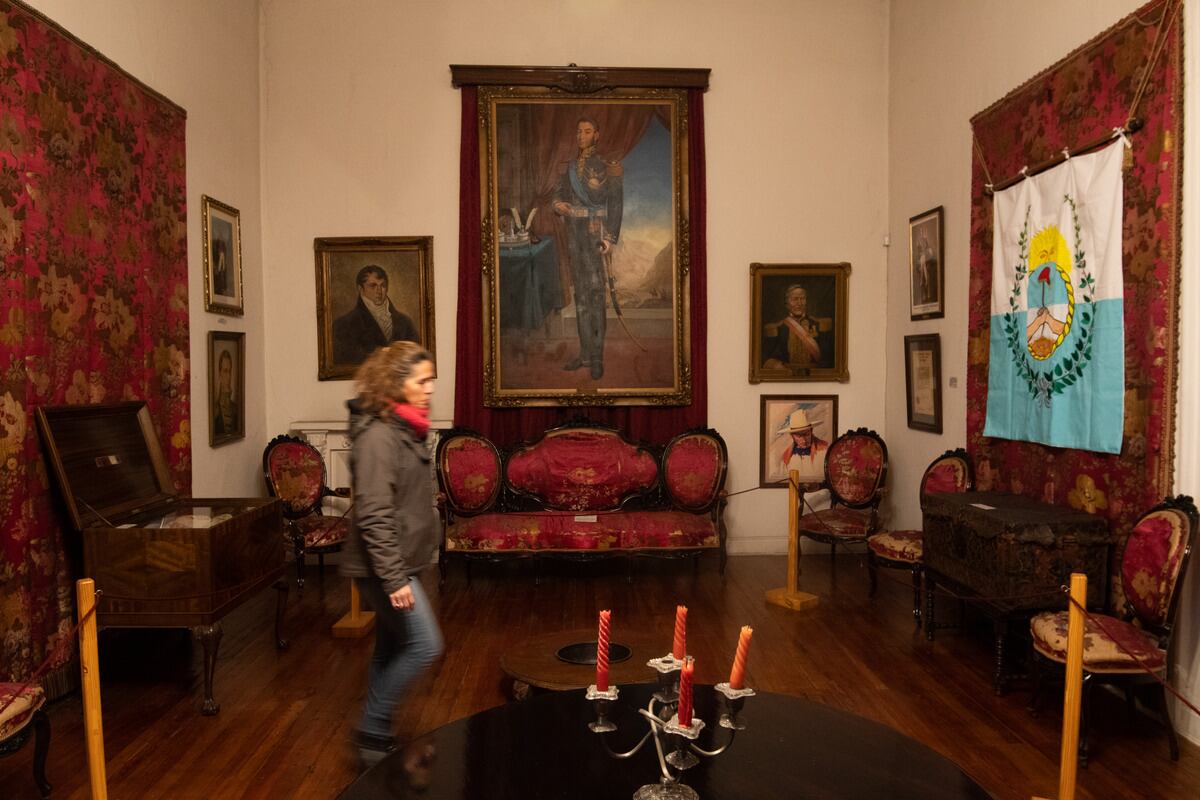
679, 751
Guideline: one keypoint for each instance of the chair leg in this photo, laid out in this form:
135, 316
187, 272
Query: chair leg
1038, 667
1165, 715
41, 747
930, 586
321, 567
872, 574
1084, 715
300, 569
917, 572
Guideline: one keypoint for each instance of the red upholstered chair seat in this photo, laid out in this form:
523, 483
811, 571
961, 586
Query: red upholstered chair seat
559, 530
17, 715
322, 531
905, 546
839, 521
1100, 639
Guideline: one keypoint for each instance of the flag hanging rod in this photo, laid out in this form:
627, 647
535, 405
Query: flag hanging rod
1131, 127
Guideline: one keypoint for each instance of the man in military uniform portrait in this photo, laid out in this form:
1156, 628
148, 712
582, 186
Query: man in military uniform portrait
372, 323
796, 341
589, 199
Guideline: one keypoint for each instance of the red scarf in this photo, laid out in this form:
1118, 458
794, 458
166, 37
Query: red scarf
417, 418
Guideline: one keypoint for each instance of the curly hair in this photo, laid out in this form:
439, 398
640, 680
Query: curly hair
380, 379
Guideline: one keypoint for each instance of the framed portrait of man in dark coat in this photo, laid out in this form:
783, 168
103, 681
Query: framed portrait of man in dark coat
798, 322
371, 292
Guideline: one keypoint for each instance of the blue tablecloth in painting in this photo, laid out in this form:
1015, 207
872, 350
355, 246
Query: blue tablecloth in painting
530, 287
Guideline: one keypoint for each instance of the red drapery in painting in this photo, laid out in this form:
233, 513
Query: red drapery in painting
93, 242
1077, 100
508, 426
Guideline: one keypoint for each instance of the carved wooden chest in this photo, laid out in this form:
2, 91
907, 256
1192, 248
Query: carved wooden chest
1013, 547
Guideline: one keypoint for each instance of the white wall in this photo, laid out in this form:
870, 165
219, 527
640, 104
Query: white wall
203, 55
950, 60
361, 137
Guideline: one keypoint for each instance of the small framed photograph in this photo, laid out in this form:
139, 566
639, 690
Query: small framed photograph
798, 322
923, 381
794, 433
926, 273
222, 257
226, 387
371, 292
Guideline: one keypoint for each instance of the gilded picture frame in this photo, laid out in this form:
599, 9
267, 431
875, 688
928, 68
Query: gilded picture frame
222, 236
926, 269
585, 247
923, 381
226, 387
794, 432
798, 322
359, 276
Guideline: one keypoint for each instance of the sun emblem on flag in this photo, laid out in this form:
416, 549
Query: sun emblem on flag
1043, 271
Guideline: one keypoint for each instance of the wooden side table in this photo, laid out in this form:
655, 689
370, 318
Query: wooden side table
534, 663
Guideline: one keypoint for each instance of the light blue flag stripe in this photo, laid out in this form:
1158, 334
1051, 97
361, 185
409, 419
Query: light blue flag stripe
1088, 413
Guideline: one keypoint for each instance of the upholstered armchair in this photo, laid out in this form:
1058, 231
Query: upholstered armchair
20, 710
295, 473
949, 472
855, 474
1137, 636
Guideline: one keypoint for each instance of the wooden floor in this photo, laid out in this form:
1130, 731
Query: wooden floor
285, 717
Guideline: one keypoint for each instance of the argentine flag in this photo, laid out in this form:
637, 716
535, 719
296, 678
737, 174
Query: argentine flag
1056, 369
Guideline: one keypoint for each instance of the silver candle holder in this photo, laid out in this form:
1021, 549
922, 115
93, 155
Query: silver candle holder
674, 743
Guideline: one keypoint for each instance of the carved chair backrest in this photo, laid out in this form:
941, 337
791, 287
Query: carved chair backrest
856, 468
949, 472
295, 473
1154, 560
469, 471
694, 465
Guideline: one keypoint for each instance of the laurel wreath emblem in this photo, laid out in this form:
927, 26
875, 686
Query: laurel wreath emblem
1044, 384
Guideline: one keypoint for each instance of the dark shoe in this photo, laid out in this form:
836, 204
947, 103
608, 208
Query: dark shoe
597, 371
372, 748
573, 364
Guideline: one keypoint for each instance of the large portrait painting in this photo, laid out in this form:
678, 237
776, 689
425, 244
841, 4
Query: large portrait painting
798, 322
585, 247
371, 292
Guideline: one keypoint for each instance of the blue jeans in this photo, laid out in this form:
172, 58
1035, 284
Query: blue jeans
406, 644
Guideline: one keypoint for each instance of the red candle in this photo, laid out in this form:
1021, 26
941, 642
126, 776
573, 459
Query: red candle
679, 646
737, 676
685, 692
602, 651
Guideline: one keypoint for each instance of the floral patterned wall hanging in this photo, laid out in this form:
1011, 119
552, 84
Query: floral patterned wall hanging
93, 258
1083, 97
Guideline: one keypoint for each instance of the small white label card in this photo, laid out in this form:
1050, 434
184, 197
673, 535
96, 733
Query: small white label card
585, 517
984, 506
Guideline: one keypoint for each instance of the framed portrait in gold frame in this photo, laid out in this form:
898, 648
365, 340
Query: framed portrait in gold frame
585, 247
222, 230
798, 322
371, 291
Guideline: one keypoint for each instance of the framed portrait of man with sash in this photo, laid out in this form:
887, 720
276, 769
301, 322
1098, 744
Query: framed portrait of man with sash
585, 246
798, 322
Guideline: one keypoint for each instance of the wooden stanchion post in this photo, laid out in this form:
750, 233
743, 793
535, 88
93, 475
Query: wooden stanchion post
89, 668
1073, 694
356, 622
790, 596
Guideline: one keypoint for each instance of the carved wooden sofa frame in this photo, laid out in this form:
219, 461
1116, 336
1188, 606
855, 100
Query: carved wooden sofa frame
581, 491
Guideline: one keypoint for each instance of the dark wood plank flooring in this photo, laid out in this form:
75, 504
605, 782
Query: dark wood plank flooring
285, 717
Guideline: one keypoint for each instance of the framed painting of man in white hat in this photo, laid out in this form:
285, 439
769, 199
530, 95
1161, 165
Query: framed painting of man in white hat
794, 434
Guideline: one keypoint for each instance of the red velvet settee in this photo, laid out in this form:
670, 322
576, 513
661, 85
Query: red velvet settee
581, 489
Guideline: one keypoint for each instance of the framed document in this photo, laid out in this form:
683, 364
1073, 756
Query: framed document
923, 381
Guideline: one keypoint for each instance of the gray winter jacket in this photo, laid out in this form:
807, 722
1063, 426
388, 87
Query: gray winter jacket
394, 533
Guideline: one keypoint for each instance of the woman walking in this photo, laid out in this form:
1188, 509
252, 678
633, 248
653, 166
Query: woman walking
394, 535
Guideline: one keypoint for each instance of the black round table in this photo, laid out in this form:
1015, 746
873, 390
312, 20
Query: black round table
542, 748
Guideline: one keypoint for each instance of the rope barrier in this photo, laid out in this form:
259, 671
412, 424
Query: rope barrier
57, 655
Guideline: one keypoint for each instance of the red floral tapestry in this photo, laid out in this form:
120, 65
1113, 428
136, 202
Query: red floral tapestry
93, 242
1077, 100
